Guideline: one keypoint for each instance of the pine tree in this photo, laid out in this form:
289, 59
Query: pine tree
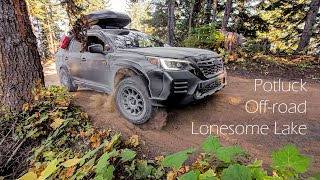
20, 67
308, 26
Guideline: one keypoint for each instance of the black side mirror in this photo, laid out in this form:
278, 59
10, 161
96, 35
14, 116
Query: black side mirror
96, 48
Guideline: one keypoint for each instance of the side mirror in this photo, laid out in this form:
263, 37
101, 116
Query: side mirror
96, 48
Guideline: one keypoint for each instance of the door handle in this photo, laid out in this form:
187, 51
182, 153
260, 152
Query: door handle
83, 59
66, 58
105, 63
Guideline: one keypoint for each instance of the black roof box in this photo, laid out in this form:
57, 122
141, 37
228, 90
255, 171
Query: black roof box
105, 18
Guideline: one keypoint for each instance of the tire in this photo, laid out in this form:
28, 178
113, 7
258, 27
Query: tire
66, 81
133, 100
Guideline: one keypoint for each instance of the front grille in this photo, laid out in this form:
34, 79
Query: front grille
210, 67
180, 87
210, 87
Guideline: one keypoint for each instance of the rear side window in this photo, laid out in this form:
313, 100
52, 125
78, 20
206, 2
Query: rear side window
75, 46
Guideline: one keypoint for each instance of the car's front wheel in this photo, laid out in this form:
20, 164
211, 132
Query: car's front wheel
133, 100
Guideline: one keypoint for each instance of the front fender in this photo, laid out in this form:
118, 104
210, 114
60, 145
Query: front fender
133, 66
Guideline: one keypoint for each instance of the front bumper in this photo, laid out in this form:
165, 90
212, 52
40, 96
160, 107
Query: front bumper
182, 87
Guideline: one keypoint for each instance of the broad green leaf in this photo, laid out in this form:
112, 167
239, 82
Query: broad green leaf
236, 172
71, 162
48, 154
104, 161
82, 174
29, 176
43, 118
127, 155
177, 159
108, 174
191, 175
37, 165
258, 173
32, 132
211, 144
99, 177
197, 171
143, 170
52, 166
227, 153
91, 153
289, 157
256, 163
208, 175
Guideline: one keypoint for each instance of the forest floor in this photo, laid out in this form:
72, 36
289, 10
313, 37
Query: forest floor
171, 129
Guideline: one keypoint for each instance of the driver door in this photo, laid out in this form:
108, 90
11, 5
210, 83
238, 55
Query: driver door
95, 66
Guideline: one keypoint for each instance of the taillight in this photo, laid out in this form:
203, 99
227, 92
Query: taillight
64, 42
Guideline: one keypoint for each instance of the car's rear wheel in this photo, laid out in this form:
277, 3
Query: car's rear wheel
66, 81
133, 100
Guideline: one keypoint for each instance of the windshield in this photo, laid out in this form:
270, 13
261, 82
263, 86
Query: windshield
134, 39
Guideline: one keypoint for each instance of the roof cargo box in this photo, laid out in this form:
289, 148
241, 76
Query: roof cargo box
105, 18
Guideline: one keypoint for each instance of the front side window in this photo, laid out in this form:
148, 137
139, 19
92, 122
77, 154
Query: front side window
134, 39
95, 40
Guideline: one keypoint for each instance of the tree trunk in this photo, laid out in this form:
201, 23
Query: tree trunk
191, 16
20, 66
214, 13
226, 15
208, 11
171, 22
51, 30
308, 26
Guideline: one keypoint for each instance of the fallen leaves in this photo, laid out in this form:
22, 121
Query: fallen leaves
71, 162
171, 175
27, 107
56, 123
159, 159
29, 176
84, 115
114, 141
95, 140
133, 141
69, 172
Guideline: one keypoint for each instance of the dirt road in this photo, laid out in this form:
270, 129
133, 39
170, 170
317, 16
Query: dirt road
171, 129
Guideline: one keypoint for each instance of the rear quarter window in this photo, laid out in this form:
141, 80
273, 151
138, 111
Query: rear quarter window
75, 46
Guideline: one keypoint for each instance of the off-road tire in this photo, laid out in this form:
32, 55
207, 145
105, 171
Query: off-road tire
133, 100
66, 81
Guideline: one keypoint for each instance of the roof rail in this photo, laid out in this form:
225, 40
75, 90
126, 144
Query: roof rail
99, 27
96, 27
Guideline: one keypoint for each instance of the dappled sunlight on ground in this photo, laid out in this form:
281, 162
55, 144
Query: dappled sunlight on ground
50, 74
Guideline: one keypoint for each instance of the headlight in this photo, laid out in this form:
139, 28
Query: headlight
170, 64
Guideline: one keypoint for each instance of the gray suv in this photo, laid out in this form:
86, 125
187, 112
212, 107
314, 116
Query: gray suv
141, 70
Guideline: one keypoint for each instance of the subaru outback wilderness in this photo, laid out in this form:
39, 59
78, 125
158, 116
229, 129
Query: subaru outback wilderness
160, 75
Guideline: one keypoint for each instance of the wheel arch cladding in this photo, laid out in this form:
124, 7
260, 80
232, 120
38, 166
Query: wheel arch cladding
127, 71
64, 68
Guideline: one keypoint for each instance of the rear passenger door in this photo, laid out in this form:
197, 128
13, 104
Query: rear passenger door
73, 59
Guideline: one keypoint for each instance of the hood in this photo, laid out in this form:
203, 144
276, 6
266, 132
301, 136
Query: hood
173, 52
